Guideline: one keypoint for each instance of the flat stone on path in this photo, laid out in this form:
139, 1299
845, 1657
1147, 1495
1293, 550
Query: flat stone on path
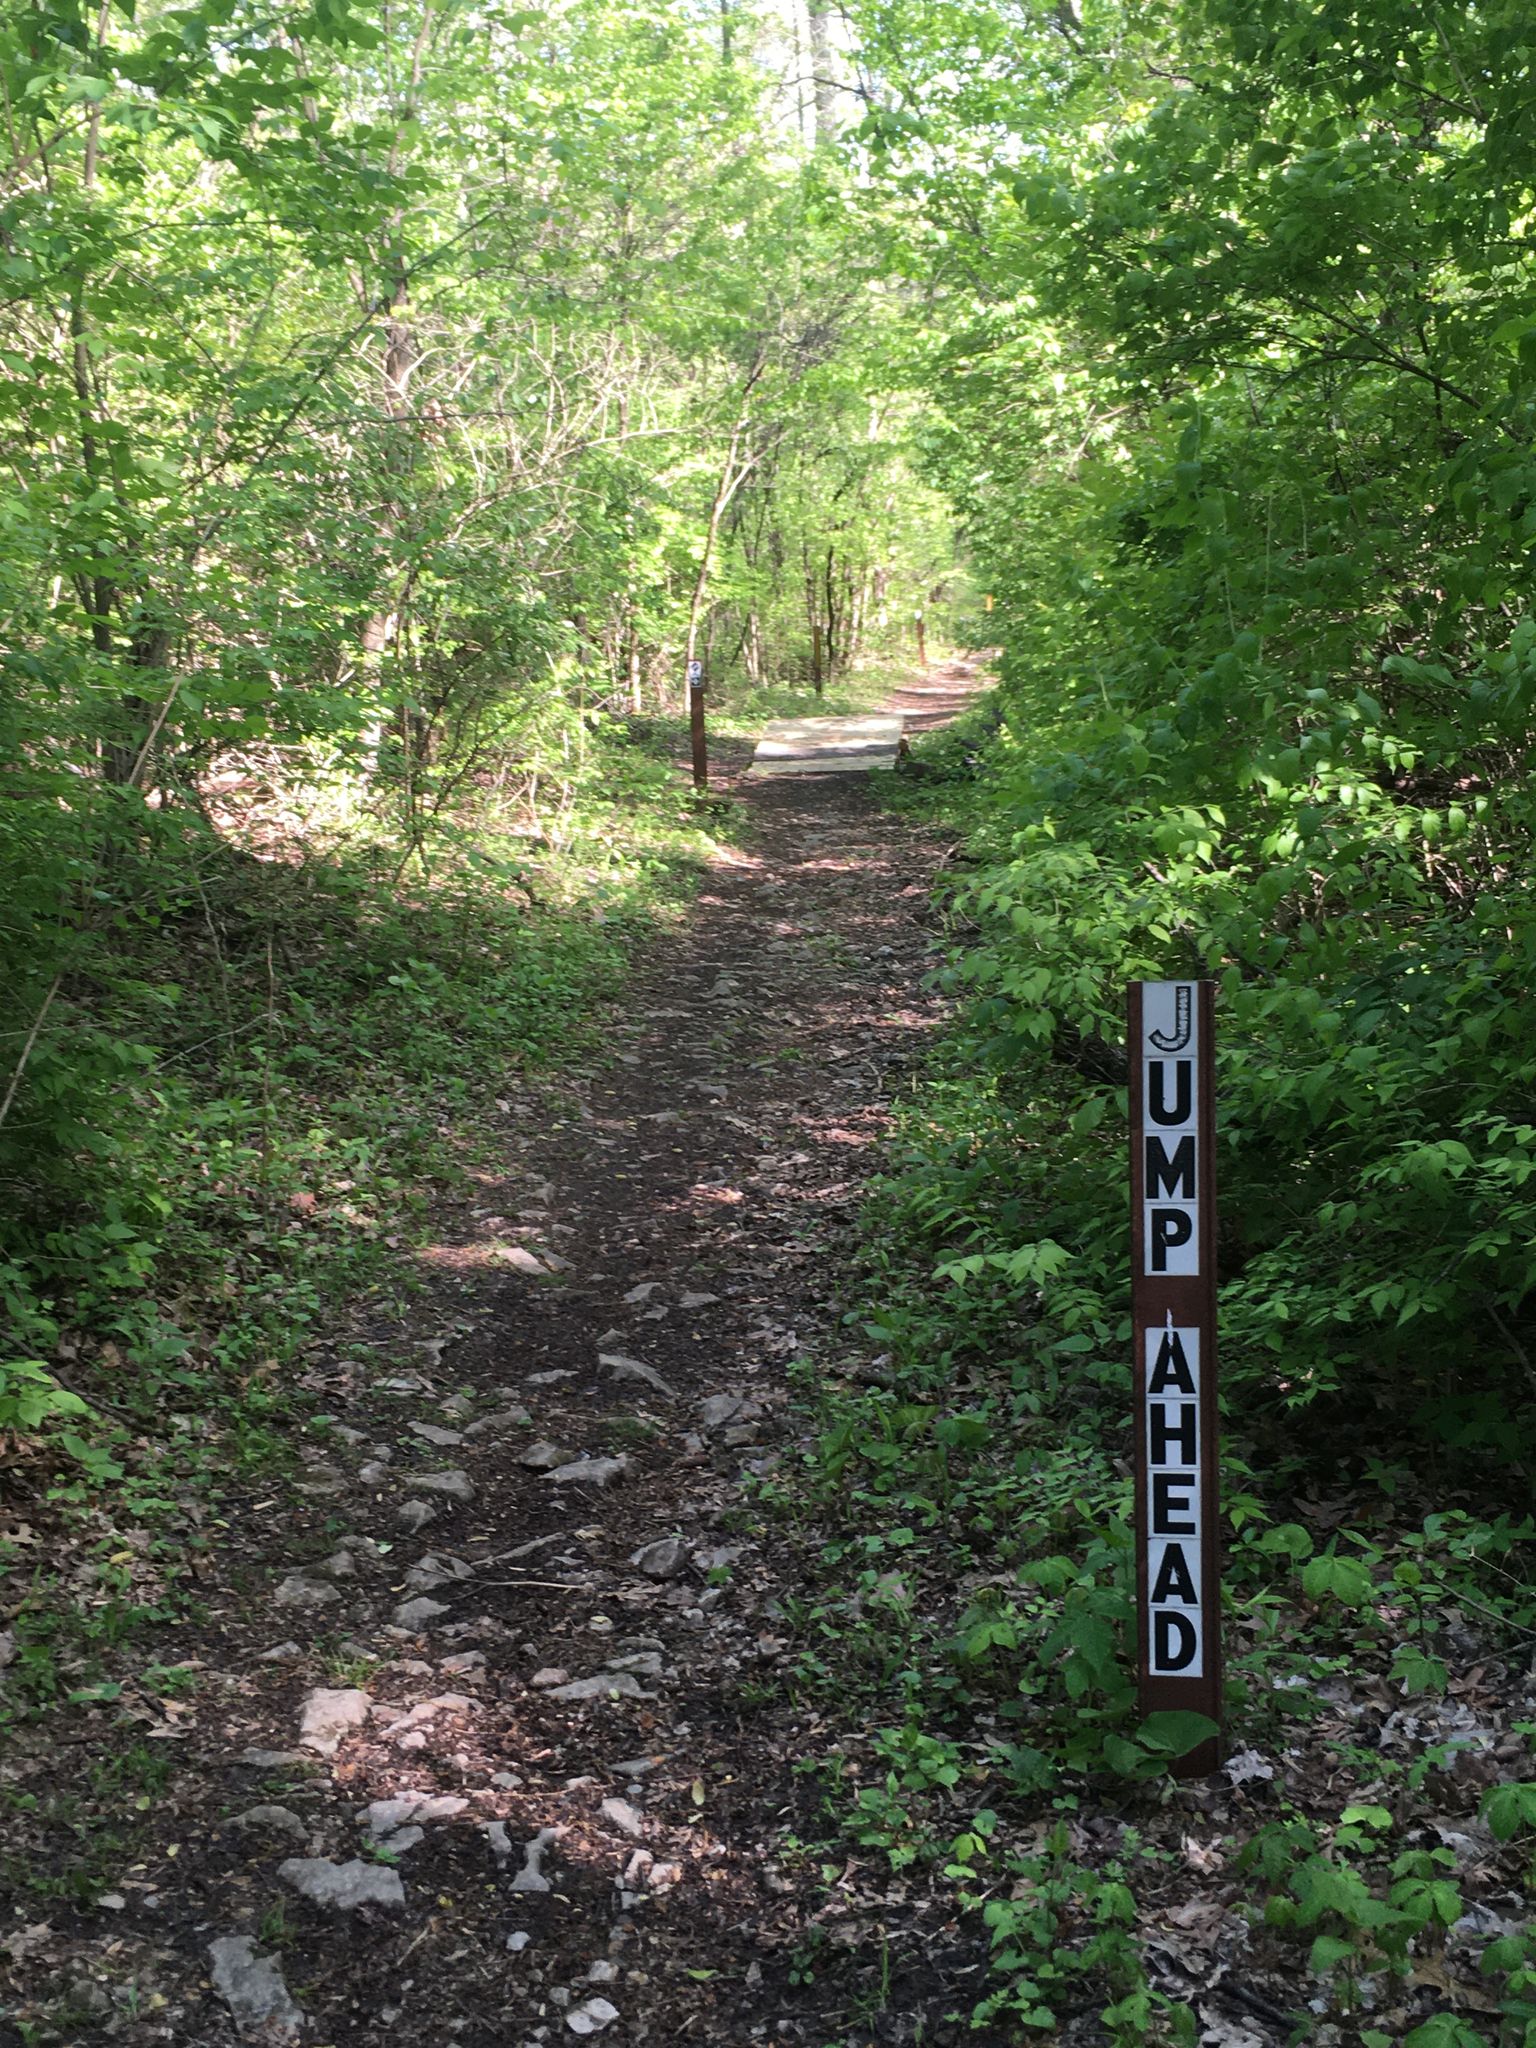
592, 2016
521, 1260
606, 1685
663, 1559
252, 1986
463, 1664
342, 1886
531, 1877
280, 1819
300, 1593
624, 1816
601, 1472
543, 1457
327, 1715
721, 1409
431, 1433
618, 1367
504, 1418
420, 1613
455, 1485
828, 746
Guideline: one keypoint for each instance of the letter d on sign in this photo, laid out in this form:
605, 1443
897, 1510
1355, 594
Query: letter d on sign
1173, 1303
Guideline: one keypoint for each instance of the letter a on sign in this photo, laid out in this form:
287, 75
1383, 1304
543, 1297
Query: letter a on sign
1173, 1299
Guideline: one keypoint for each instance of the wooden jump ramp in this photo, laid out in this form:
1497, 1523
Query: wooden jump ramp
828, 746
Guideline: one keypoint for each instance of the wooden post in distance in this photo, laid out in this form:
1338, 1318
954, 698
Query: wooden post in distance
696, 723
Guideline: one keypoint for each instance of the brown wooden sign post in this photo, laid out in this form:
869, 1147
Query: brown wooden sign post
1173, 1310
696, 723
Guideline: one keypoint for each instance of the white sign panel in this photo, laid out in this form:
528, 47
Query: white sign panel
1170, 1207
1175, 1510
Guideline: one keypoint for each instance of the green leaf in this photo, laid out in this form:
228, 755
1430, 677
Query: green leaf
1128, 1758
1287, 1539
1328, 1951
1507, 1953
1365, 1816
1509, 1808
1445, 2030
1420, 1674
1175, 1732
1339, 1578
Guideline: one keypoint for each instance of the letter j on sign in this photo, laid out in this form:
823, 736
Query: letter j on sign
1173, 1307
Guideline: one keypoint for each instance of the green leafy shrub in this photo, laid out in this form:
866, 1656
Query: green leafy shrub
31, 1398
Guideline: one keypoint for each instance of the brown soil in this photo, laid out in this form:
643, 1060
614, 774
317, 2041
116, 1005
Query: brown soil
689, 1205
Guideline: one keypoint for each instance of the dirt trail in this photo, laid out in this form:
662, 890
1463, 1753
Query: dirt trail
627, 1299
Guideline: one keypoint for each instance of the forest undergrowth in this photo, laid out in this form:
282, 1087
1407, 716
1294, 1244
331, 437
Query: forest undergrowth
274, 1072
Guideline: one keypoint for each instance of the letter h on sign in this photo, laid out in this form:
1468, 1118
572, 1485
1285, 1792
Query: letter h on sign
1173, 1300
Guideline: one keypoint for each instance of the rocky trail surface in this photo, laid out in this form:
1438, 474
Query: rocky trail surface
490, 1743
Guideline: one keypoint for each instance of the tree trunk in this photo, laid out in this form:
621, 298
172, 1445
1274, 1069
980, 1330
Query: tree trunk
124, 752
734, 472
400, 359
823, 79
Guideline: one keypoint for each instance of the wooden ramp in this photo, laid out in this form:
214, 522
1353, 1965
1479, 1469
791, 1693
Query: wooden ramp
828, 746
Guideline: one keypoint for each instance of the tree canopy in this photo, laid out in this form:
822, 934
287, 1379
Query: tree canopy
393, 397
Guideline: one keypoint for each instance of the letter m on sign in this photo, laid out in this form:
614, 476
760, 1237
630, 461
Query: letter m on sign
1170, 1170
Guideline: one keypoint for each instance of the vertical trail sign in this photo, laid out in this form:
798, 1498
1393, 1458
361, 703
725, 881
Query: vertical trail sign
1173, 1312
696, 722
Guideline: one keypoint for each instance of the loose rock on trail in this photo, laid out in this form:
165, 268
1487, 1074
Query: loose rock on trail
513, 1761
